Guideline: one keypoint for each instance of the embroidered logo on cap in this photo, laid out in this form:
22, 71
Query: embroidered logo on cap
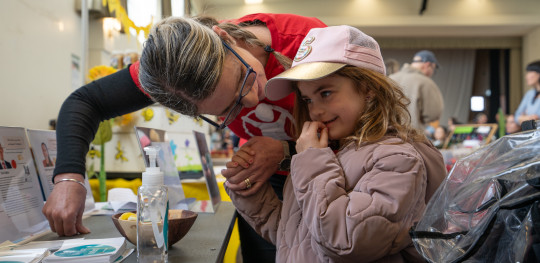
304, 49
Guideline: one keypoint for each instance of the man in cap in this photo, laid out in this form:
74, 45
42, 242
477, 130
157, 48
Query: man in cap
415, 79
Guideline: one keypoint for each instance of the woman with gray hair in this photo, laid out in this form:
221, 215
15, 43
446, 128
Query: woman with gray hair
194, 66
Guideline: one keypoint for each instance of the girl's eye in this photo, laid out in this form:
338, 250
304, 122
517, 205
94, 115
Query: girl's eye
325, 94
306, 100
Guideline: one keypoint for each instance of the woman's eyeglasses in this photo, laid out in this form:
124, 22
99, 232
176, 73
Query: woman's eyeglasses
247, 85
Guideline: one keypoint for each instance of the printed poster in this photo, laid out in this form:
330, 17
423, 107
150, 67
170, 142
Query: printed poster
43, 144
208, 171
21, 199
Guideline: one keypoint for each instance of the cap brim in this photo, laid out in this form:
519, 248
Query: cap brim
280, 86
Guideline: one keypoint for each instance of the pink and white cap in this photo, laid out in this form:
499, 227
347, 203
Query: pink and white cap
324, 51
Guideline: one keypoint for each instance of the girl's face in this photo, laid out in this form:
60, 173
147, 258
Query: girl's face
230, 83
439, 134
532, 78
334, 101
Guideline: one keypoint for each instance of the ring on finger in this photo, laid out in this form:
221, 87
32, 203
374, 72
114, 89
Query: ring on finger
248, 183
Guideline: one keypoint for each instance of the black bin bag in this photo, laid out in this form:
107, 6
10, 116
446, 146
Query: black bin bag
488, 207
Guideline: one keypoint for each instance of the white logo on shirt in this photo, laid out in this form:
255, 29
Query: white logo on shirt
267, 125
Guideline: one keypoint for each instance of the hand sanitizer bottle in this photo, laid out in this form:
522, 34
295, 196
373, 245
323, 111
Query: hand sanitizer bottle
152, 213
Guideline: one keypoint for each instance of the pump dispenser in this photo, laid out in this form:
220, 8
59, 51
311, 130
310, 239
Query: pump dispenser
152, 175
152, 213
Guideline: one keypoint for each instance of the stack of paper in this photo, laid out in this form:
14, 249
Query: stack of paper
23, 255
89, 250
122, 199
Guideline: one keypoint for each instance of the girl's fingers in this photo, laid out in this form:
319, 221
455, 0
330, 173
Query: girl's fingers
243, 159
320, 125
305, 128
324, 137
231, 164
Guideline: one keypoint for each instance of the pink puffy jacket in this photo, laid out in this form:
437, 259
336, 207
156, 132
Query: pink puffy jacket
354, 206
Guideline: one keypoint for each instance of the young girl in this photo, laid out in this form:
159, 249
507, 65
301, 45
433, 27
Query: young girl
361, 176
439, 136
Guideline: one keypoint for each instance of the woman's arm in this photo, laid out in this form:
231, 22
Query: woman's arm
78, 122
85, 108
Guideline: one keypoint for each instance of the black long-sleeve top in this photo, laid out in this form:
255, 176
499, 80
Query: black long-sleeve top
85, 108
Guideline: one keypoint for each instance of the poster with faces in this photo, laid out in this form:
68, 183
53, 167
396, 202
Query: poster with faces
43, 145
21, 198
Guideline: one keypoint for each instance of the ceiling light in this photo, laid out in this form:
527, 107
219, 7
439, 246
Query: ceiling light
250, 2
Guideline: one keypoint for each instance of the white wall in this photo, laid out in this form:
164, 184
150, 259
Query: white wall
35, 58
391, 18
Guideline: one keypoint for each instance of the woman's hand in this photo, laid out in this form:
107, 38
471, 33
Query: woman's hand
253, 164
65, 206
310, 137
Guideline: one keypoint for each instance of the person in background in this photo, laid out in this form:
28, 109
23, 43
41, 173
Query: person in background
362, 175
235, 141
430, 129
452, 122
52, 124
439, 136
511, 124
529, 108
480, 118
392, 66
226, 140
194, 66
415, 79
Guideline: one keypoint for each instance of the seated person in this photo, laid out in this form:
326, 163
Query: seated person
511, 125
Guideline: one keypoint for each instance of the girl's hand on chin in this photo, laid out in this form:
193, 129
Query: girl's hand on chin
314, 135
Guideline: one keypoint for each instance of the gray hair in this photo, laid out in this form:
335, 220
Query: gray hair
181, 63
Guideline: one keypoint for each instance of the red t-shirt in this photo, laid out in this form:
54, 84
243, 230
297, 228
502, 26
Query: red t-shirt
269, 118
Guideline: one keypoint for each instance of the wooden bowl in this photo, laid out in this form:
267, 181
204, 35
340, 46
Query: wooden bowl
180, 221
